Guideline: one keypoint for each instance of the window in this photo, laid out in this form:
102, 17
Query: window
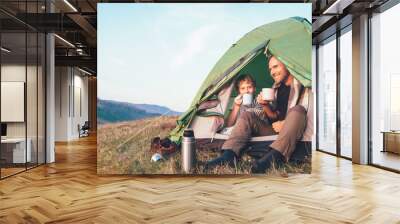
346, 92
23, 77
327, 95
385, 89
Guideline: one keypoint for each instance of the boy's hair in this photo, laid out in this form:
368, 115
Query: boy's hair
242, 78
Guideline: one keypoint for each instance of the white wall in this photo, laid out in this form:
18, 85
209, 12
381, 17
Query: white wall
81, 102
70, 84
33, 126
61, 103
12, 73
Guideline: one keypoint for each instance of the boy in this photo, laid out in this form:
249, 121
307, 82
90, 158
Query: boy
245, 84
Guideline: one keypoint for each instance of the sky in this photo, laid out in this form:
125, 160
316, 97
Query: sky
161, 53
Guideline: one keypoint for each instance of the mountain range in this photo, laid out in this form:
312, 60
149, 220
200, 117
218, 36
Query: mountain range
110, 111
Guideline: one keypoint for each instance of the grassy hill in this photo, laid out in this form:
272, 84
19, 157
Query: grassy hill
110, 111
123, 148
156, 109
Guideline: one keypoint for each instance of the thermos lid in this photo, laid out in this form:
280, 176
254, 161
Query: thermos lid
188, 133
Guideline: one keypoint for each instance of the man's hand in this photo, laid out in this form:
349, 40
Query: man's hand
277, 126
238, 100
261, 101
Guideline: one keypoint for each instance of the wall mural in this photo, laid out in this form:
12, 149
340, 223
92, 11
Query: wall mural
204, 89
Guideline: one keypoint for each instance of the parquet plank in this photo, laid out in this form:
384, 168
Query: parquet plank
70, 191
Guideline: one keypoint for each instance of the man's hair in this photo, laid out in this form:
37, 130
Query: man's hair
242, 78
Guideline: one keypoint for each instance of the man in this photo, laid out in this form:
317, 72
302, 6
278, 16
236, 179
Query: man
287, 118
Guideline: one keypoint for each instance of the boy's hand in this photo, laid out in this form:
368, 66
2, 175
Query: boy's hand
277, 126
260, 100
238, 100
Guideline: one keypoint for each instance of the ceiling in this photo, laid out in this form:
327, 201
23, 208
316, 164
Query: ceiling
76, 22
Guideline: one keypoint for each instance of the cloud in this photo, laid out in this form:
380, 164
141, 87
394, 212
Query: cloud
195, 43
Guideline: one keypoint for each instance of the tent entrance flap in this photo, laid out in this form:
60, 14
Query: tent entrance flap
189, 115
230, 76
209, 122
258, 70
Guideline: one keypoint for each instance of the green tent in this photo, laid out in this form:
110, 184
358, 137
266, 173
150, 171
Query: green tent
289, 40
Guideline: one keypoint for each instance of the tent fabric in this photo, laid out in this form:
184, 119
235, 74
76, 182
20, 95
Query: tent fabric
289, 40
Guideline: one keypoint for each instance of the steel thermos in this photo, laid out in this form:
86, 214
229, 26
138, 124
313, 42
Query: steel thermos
188, 151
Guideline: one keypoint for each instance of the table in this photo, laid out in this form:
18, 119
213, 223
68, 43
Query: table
391, 141
17, 150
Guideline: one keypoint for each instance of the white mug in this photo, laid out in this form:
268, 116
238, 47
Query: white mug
268, 94
156, 157
247, 99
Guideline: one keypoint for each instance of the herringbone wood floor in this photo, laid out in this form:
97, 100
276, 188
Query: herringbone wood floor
69, 191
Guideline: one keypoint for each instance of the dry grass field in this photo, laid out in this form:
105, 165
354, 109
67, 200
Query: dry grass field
123, 148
